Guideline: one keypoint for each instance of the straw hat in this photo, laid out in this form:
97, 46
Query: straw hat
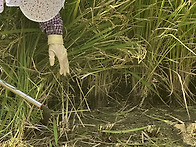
37, 10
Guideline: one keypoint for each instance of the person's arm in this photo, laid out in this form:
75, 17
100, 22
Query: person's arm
52, 26
54, 29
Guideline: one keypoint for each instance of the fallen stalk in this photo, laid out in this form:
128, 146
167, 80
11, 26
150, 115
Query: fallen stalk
124, 131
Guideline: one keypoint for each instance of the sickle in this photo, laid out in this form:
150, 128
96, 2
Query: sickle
46, 110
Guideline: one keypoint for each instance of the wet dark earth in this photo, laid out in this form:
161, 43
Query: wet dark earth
159, 127
112, 127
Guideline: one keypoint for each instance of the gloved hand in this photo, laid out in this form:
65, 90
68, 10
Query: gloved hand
56, 48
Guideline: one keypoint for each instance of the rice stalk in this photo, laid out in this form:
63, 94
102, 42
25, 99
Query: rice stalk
168, 21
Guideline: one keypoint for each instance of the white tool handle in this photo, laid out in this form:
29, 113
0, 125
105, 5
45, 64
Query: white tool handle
20, 93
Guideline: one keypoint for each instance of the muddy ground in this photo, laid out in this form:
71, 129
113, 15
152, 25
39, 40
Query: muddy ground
159, 127
112, 127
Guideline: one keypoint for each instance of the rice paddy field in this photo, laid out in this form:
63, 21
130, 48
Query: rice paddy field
132, 78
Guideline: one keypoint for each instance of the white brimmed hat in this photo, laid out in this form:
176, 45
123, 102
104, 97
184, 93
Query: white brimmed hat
37, 10
1, 6
41, 10
12, 3
9, 3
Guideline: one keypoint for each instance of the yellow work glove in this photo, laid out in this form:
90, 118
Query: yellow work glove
56, 48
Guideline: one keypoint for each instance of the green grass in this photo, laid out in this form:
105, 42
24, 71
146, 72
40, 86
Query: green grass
142, 47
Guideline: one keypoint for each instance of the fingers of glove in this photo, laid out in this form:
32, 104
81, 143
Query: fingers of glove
61, 54
51, 56
64, 66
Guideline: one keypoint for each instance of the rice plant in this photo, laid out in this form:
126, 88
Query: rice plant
119, 50
168, 28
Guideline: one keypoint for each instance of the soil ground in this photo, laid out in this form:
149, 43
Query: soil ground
112, 127
135, 127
